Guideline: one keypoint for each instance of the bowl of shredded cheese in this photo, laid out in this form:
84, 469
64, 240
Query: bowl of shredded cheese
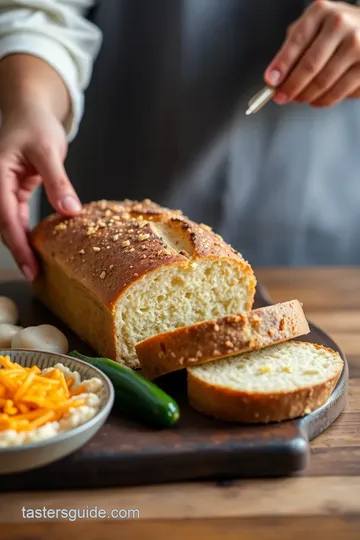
50, 405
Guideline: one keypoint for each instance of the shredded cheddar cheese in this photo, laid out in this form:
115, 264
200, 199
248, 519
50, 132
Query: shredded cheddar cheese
29, 399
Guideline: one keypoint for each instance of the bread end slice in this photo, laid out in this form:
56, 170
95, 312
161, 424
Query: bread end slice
219, 338
278, 383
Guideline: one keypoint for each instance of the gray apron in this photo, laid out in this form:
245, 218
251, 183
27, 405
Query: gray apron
165, 120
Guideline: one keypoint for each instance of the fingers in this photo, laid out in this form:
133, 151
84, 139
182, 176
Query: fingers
58, 187
315, 59
12, 229
340, 63
346, 85
301, 34
355, 95
318, 61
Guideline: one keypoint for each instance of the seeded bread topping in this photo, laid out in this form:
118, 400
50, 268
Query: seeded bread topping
132, 226
123, 271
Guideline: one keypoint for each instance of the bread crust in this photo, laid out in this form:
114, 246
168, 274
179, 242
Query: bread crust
219, 338
112, 245
230, 405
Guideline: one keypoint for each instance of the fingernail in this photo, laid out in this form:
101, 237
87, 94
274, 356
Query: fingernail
273, 77
70, 204
280, 98
26, 270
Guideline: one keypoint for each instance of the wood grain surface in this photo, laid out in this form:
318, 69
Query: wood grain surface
324, 498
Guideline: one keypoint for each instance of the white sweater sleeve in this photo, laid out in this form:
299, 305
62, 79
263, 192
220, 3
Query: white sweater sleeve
57, 32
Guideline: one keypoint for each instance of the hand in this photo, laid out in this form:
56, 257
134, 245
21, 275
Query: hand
319, 62
32, 150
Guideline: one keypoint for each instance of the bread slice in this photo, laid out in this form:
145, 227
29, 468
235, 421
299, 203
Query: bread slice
277, 383
124, 271
219, 338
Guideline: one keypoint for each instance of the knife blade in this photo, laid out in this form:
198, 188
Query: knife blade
259, 100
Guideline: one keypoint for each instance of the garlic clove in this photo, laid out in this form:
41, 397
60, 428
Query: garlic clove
7, 332
43, 338
8, 311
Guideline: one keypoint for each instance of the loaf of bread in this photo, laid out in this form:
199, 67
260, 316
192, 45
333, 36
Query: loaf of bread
227, 336
277, 383
124, 271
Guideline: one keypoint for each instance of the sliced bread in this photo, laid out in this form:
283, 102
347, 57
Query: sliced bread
124, 271
219, 338
277, 383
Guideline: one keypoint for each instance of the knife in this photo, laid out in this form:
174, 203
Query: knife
259, 100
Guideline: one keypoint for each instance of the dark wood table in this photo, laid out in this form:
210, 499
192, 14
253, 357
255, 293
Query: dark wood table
323, 500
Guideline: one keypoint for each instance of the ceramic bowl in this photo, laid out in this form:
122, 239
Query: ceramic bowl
35, 454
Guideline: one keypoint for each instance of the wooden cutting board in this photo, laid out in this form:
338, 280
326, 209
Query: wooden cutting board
126, 453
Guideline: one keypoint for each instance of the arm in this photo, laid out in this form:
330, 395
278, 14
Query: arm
46, 53
25, 79
56, 32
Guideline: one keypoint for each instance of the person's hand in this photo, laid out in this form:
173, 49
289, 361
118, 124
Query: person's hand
319, 62
32, 150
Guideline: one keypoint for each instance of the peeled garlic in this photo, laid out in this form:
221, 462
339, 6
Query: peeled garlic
42, 338
8, 311
7, 332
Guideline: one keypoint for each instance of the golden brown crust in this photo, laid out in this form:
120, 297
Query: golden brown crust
91, 320
89, 261
254, 407
219, 338
113, 244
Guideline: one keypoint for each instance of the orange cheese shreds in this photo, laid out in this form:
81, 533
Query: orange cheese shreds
79, 390
6, 362
70, 382
30, 399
